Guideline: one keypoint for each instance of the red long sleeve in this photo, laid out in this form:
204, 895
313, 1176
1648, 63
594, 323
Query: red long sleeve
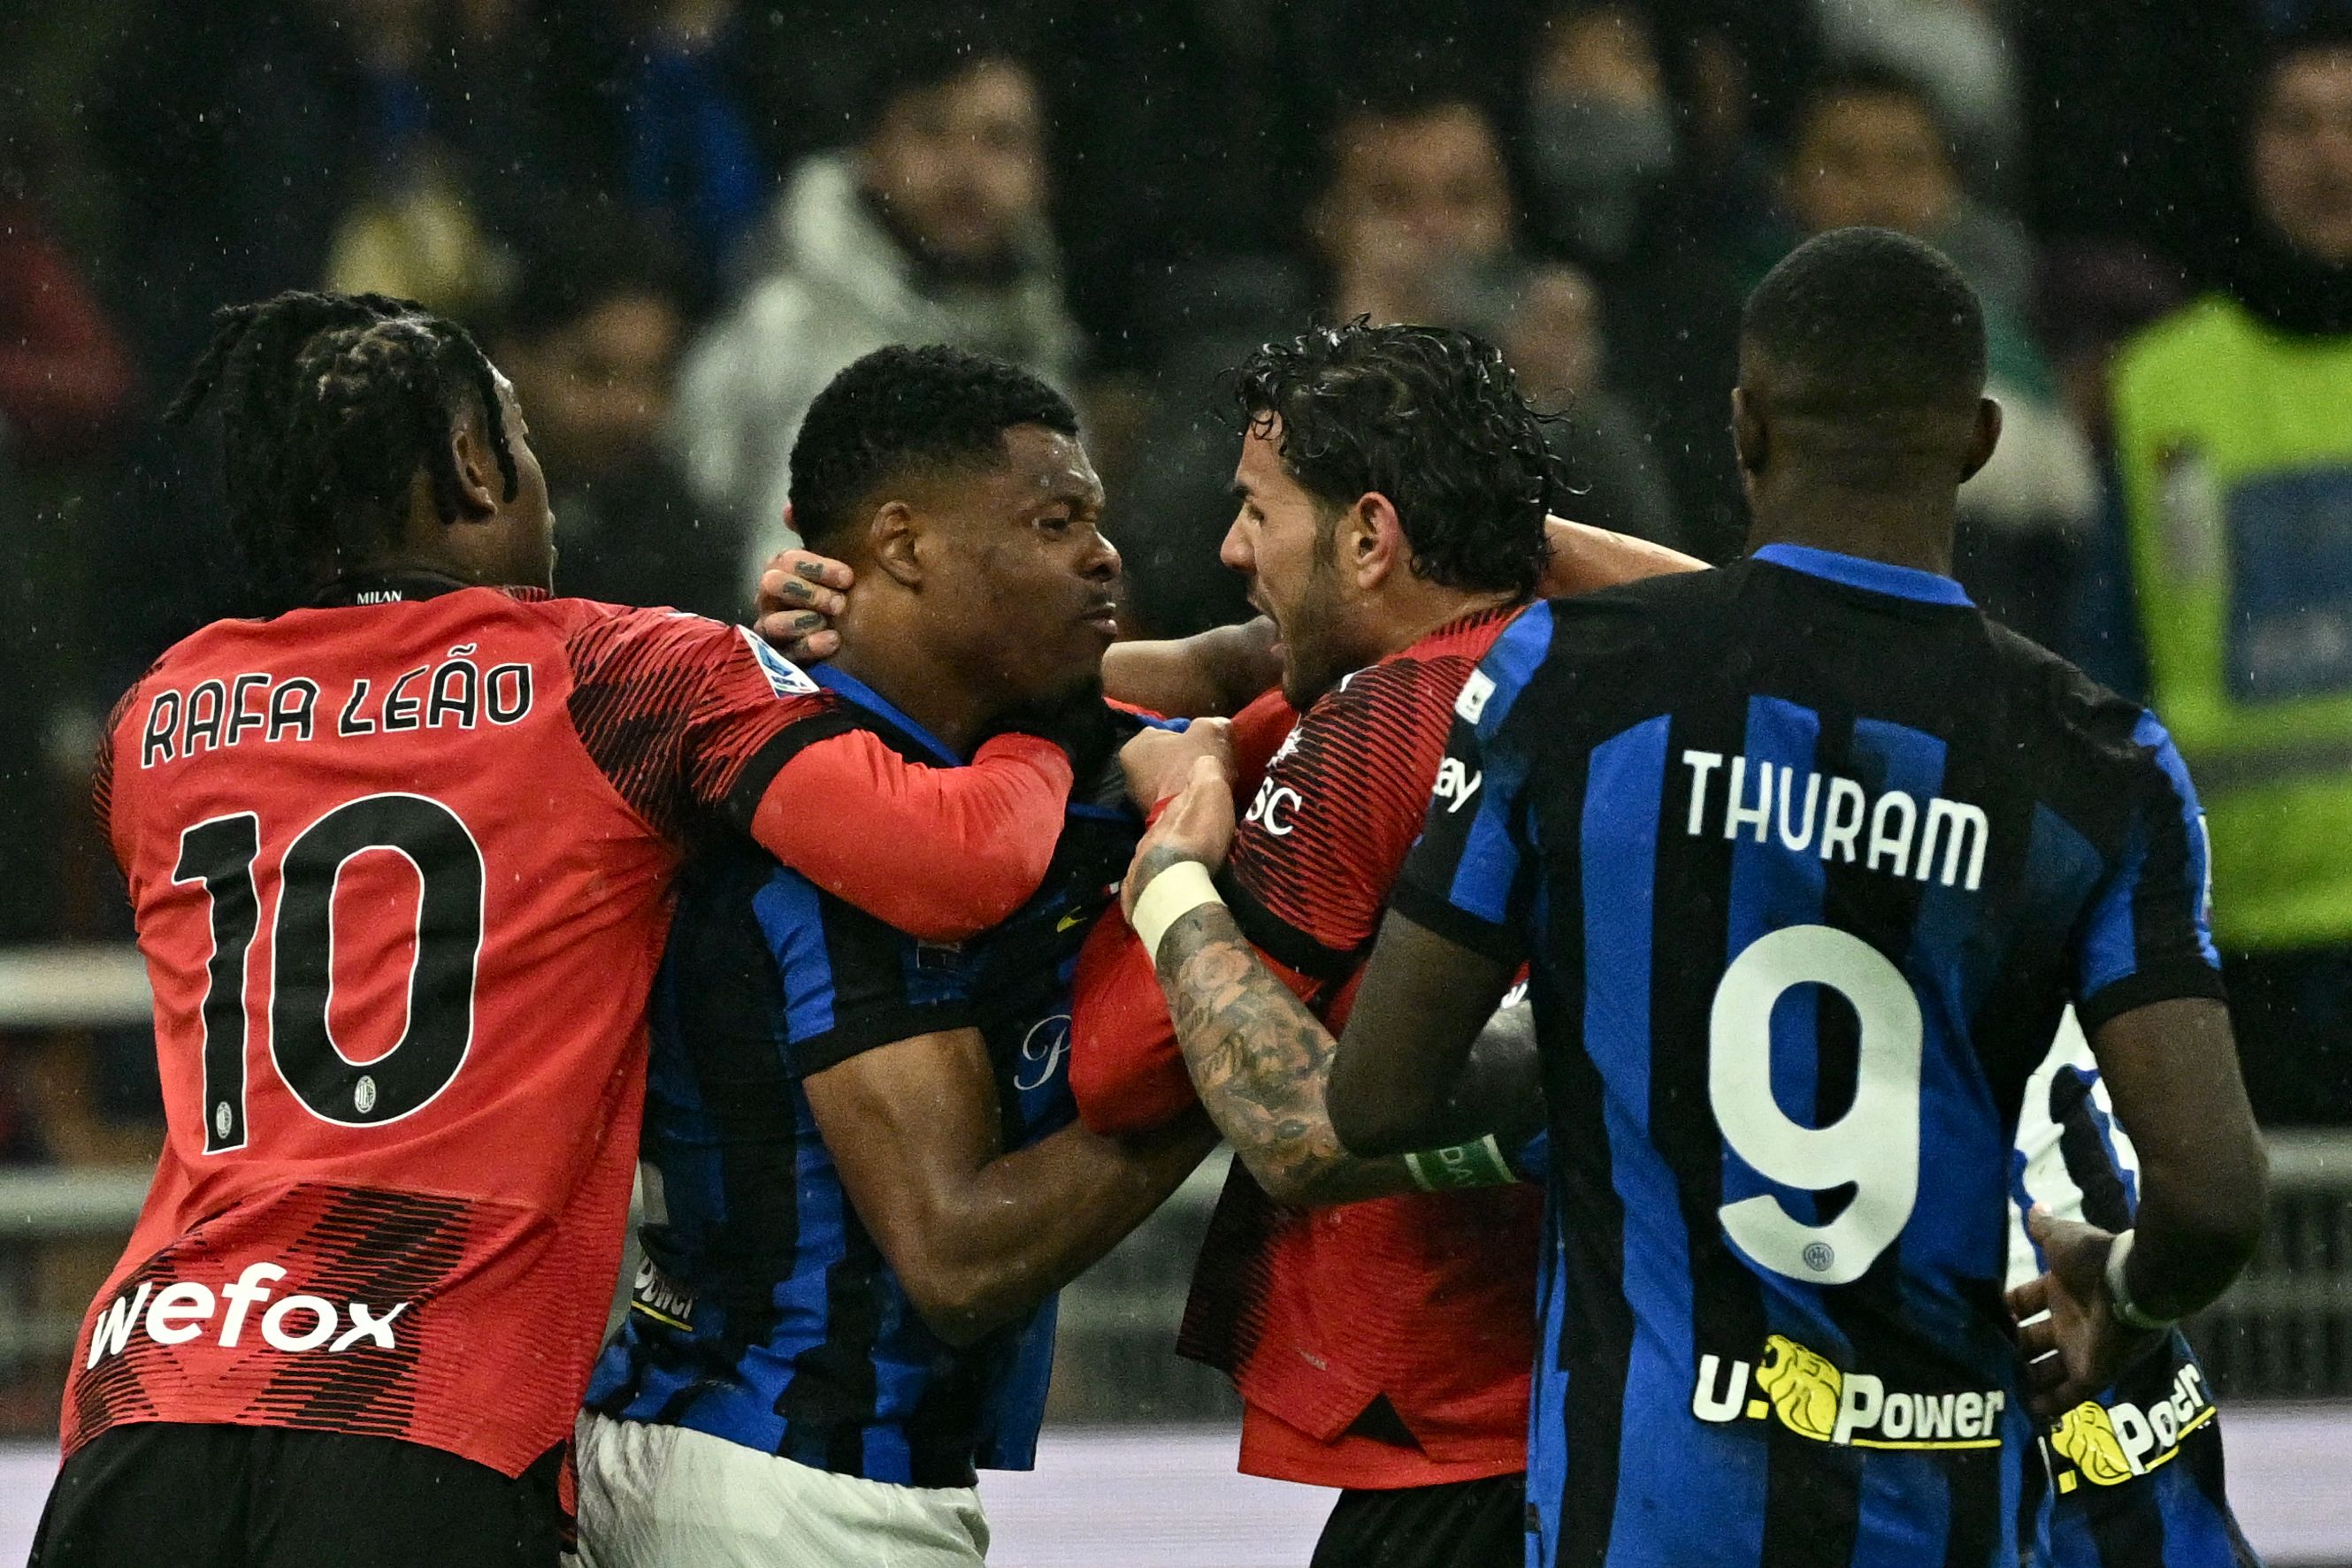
942, 853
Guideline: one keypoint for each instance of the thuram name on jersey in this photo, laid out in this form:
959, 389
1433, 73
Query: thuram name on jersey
1836, 818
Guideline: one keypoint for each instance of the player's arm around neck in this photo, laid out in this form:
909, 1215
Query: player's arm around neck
1214, 673
1584, 557
979, 1237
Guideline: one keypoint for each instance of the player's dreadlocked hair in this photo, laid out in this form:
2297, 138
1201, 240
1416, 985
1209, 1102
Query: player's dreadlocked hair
330, 403
1430, 418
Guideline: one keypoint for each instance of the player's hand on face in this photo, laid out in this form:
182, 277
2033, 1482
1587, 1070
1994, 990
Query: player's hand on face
800, 596
2079, 1347
1159, 762
1197, 826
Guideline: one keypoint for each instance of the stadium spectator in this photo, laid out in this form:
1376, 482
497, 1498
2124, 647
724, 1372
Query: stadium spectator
932, 229
1869, 148
1958, 50
2236, 464
591, 340
1600, 128
66, 375
692, 153
1414, 223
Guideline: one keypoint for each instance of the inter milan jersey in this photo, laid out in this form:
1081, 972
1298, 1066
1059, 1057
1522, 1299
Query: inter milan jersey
400, 866
765, 1311
2134, 1477
1807, 858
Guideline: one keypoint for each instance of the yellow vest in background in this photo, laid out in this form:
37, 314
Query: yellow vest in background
2236, 446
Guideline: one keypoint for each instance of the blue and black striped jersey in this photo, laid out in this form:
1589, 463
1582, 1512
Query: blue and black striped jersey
2134, 1477
1807, 857
765, 1314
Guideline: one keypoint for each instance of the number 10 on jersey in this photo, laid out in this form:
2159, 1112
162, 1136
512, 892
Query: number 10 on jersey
1875, 1146
221, 853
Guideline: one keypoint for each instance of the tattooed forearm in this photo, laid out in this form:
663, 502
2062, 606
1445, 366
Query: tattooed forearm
1260, 1060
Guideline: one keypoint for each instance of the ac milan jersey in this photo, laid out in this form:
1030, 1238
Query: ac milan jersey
1384, 1344
400, 867
1806, 857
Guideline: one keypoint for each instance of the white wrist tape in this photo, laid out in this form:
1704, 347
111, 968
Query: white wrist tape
2127, 1311
1168, 898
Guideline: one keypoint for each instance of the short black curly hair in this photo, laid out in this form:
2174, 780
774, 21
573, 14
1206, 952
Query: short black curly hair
330, 405
1862, 326
1432, 419
900, 410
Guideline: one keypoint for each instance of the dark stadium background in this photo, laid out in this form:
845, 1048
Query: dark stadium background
645, 206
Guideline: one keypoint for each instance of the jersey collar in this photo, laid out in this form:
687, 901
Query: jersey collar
838, 680
403, 585
1870, 576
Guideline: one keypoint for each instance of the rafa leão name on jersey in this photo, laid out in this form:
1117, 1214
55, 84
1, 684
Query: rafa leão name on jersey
1833, 817
187, 1308
453, 693
2108, 1445
1814, 1398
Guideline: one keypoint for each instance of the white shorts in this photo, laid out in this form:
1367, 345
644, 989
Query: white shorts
665, 1497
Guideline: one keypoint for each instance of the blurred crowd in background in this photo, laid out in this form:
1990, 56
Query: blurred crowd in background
671, 221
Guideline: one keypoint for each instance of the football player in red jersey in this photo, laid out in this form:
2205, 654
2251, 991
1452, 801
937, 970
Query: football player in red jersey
1393, 490
399, 858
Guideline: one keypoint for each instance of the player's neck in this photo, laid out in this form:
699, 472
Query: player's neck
1901, 530
926, 687
1406, 613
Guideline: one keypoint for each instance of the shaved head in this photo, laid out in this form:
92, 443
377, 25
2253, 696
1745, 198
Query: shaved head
1864, 351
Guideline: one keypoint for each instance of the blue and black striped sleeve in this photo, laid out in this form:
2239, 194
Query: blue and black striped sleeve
850, 982
1467, 877
2148, 934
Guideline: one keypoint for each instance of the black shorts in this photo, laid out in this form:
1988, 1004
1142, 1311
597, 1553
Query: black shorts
1461, 1524
264, 1497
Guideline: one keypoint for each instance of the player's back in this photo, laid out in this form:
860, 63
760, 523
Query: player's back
400, 872
1814, 856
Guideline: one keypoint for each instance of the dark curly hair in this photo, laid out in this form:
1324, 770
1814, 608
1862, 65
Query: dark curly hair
1430, 418
898, 410
330, 403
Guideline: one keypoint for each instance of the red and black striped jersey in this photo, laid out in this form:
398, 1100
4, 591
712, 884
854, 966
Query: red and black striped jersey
1423, 1300
401, 868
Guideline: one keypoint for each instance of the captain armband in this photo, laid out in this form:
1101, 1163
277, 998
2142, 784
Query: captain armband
1460, 1165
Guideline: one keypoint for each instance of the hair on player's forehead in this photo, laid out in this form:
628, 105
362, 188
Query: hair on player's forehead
1430, 417
902, 412
1862, 326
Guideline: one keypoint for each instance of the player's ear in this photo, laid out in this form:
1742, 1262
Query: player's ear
1370, 542
1749, 441
891, 536
1983, 440
481, 484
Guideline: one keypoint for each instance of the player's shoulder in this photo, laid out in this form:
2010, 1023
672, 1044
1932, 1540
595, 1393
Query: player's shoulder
1631, 616
600, 635
2049, 701
1416, 686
